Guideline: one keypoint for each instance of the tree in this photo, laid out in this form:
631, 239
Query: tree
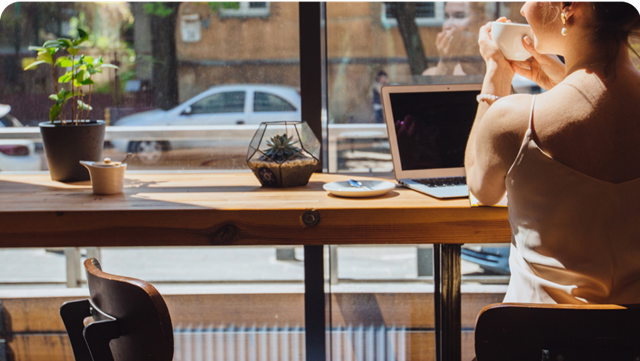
405, 13
165, 62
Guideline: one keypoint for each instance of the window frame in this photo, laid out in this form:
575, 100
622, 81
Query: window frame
437, 20
245, 11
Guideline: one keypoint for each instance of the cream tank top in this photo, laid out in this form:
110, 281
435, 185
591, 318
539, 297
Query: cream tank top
575, 239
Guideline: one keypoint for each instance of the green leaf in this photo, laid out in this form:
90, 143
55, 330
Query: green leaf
64, 94
82, 37
36, 48
64, 62
108, 66
91, 70
87, 82
73, 50
35, 64
55, 111
51, 44
53, 97
98, 62
65, 78
82, 33
64, 43
45, 56
82, 75
89, 60
83, 105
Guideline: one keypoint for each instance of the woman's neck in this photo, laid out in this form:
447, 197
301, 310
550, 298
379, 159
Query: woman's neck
597, 59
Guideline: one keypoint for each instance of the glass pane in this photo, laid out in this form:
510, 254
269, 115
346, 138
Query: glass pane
246, 303
172, 59
370, 45
230, 303
257, 5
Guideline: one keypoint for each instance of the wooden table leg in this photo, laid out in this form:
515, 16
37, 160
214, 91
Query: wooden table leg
314, 303
447, 293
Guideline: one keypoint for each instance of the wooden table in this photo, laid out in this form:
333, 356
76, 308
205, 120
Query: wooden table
204, 209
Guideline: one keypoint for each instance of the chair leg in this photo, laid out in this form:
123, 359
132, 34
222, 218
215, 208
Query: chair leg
97, 335
73, 314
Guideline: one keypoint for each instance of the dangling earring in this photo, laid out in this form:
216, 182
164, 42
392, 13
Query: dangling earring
564, 24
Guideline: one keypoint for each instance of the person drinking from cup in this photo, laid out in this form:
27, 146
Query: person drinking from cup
568, 158
457, 43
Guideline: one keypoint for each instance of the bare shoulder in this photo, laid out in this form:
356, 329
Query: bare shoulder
508, 119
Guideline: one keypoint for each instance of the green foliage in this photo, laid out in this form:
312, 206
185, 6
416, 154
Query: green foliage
78, 74
157, 9
215, 6
281, 148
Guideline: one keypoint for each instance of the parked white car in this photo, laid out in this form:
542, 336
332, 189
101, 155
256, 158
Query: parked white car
16, 155
219, 105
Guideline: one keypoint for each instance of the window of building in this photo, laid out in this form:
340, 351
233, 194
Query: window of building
427, 13
247, 9
229, 102
265, 102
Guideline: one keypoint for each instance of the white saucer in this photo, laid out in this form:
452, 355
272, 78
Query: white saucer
368, 189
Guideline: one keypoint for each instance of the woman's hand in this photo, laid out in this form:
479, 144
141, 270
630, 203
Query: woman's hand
497, 80
490, 52
545, 70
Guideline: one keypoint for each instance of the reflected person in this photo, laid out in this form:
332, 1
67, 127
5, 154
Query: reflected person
457, 43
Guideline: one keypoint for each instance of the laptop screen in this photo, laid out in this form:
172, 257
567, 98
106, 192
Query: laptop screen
432, 128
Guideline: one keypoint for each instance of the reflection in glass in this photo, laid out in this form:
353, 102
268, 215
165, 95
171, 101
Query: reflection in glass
171, 57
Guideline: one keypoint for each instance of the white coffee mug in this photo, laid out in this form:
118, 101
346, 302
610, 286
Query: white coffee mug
508, 38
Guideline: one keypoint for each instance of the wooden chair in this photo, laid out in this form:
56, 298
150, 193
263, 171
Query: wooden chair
131, 321
523, 332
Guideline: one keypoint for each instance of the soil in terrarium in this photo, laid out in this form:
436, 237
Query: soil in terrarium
294, 172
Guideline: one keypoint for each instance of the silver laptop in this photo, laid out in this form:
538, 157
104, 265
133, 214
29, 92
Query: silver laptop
428, 127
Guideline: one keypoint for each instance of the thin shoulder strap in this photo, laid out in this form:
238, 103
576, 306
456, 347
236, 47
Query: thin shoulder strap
533, 102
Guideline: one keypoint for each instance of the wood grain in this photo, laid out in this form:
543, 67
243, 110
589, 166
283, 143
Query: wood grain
230, 209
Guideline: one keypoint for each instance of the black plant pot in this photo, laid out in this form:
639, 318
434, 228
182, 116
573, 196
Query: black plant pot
66, 145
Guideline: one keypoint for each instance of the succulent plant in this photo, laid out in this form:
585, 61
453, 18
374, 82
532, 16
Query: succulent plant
281, 148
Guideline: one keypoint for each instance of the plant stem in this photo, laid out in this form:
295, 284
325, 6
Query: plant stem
89, 103
55, 83
73, 94
80, 111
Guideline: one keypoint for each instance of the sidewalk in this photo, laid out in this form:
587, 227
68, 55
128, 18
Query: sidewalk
206, 265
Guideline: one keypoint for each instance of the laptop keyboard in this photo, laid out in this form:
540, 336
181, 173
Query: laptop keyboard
442, 182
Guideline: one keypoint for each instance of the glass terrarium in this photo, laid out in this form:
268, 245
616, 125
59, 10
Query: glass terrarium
283, 154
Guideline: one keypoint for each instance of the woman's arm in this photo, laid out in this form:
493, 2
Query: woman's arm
493, 145
498, 127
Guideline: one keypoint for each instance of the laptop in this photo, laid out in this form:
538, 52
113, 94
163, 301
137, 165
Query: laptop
428, 128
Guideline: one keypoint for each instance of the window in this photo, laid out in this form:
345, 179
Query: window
265, 102
230, 102
252, 8
427, 13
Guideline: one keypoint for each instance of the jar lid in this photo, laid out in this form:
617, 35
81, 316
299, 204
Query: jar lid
107, 163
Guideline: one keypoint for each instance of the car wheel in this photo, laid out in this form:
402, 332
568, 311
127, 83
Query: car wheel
150, 151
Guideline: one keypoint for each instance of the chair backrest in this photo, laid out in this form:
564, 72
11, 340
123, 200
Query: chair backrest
513, 331
131, 320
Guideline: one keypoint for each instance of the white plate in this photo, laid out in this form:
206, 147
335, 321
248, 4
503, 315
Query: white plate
368, 189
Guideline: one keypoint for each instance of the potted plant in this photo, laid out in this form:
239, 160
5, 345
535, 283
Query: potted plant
283, 154
70, 140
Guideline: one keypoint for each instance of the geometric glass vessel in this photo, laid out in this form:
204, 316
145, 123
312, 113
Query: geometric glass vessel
283, 154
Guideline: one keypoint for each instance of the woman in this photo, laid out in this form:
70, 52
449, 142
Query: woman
458, 40
574, 180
